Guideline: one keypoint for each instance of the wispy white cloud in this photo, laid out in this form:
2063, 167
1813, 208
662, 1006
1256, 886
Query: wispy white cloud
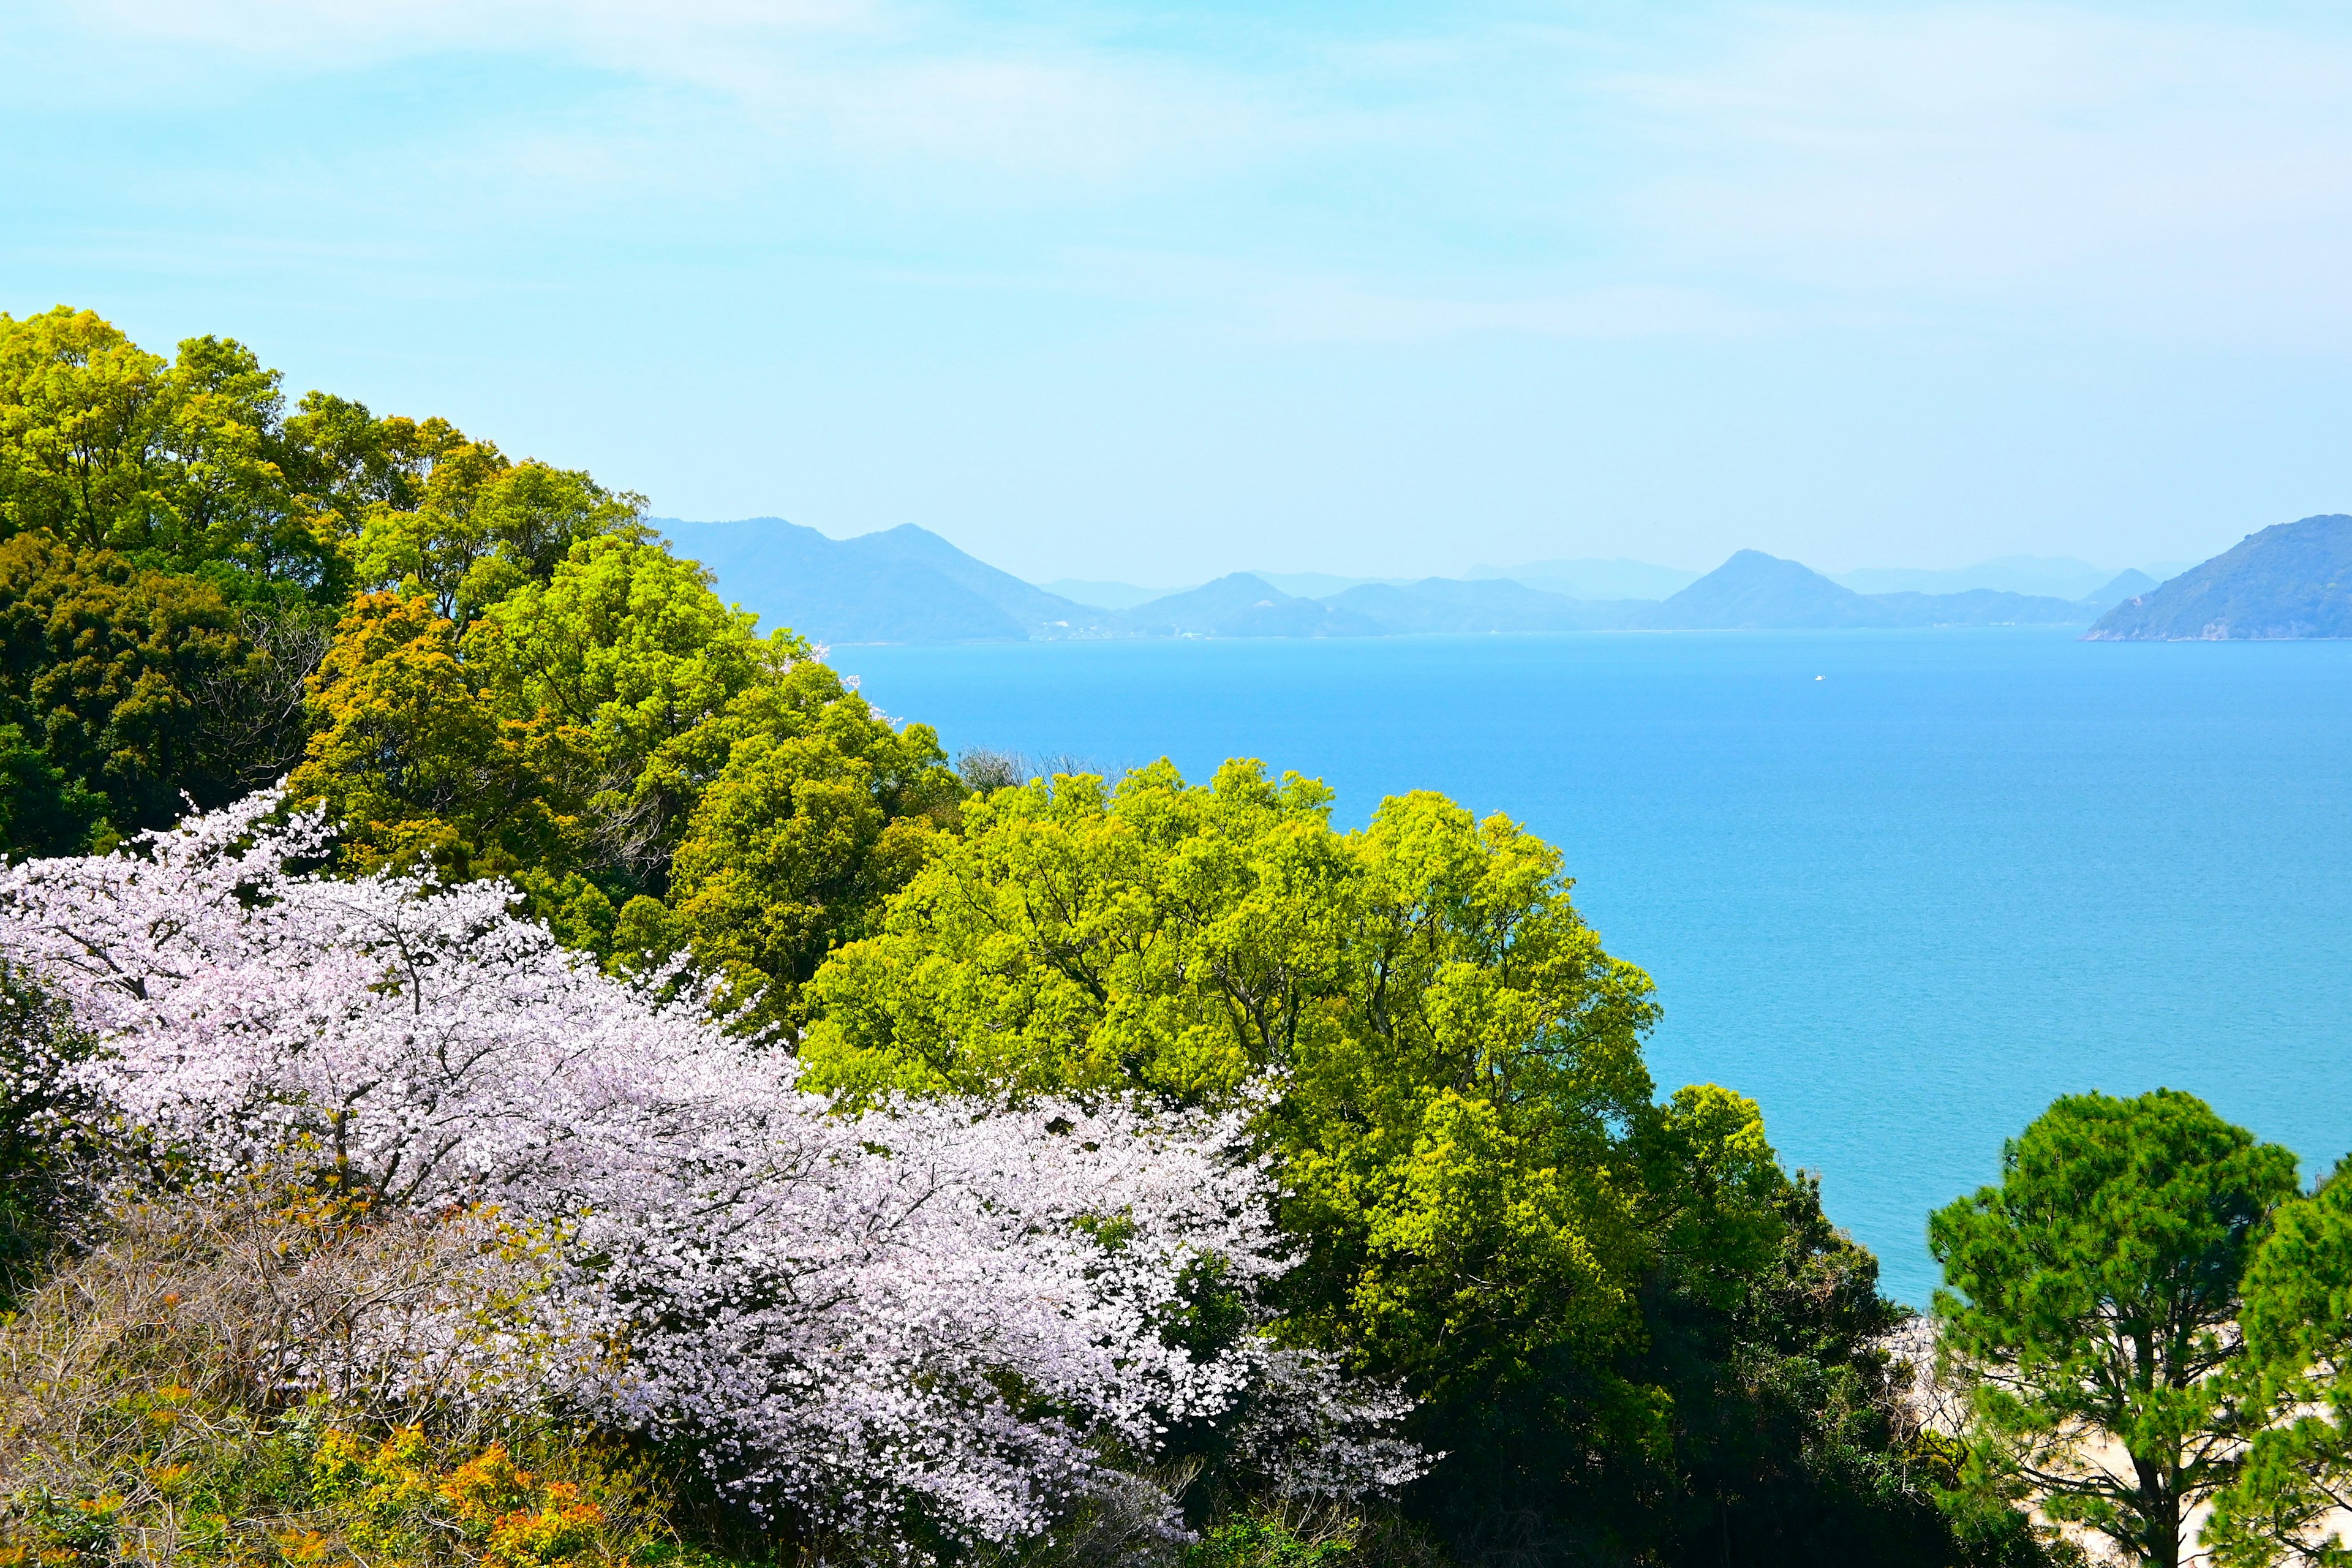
869, 85
2188, 178
1722, 172
699, 38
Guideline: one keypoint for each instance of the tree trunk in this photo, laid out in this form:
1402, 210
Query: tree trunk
2162, 1512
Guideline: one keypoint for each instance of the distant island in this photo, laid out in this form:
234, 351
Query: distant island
907, 585
2290, 581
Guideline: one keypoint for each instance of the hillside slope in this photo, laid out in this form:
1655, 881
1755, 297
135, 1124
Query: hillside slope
1592, 581
1753, 591
1979, 608
1239, 605
903, 585
1041, 613
2038, 576
2293, 580
2130, 583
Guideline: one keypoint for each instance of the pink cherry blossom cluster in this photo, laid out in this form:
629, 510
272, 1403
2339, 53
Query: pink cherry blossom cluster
956, 1306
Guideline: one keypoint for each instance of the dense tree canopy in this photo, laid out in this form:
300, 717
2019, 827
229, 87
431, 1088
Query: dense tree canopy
922, 1318
187, 463
489, 663
1636, 1337
1446, 1066
1458, 1061
620, 745
136, 686
481, 528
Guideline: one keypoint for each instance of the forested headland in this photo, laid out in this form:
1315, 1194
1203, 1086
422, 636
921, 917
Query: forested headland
506, 1062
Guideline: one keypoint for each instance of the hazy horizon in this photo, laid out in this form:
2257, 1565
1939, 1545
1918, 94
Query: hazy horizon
1113, 293
1316, 582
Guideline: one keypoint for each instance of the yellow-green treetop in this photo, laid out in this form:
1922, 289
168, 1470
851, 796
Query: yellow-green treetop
623, 746
1448, 1063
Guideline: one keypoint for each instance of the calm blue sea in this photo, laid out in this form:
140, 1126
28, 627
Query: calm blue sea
1902, 887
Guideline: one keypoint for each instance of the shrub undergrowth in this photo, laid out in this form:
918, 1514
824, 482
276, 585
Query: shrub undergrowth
150, 1414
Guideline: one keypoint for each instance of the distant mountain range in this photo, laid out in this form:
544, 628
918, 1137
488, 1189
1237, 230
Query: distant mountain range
1590, 579
1753, 590
905, 585
2290, 581
910, 585
1299, 584
1105, 596
2060, 577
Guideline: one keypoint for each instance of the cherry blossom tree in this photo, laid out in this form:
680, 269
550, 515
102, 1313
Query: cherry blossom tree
970, 1309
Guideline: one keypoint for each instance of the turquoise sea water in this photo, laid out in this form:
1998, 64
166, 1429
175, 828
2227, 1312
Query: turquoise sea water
1902, 887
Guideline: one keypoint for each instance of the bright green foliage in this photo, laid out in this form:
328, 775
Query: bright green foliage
354, 464
184, 464
412, 761
1458, 1058
192, 464
173, 547
1451, 1064
1637, 1338
820, 813
134, 686
549, 737
1066, 945
80, 448
1266, 1539
733, 775
2298, 1326
626, 652
2093, 1296
483, 528
620, 744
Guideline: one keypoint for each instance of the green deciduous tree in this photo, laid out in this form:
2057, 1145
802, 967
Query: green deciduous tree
1458, 1061
481, 528
411, 760
2093, 1305
81, 430
547, 736
354, 464
821, 811
627, 650
619, 742
193, 464
1613, 1308
133, 686
184, 464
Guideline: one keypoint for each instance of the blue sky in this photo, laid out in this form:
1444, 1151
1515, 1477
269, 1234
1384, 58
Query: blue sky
1107, 290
